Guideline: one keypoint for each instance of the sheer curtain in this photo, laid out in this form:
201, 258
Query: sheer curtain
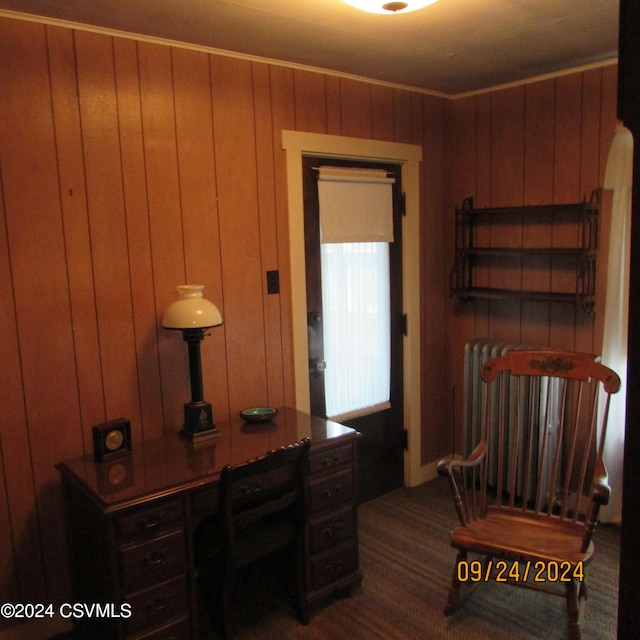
356, 225
618, 178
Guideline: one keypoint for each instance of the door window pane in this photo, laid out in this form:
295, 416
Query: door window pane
356, 326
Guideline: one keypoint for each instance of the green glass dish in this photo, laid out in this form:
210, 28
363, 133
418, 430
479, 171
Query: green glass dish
259, 414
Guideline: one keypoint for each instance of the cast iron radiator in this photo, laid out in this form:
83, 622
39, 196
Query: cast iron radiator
533, 431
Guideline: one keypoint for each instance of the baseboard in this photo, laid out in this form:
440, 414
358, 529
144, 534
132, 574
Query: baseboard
37, 630
427, 472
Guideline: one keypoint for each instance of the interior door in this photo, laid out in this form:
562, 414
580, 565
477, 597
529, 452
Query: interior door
381, 449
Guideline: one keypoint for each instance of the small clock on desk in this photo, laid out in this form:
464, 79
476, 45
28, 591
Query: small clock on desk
111, 439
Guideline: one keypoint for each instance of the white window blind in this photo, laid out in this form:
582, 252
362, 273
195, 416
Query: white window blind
356, 223
356, 205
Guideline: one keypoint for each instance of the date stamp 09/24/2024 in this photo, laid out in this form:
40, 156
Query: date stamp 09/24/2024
467, 571
513, 571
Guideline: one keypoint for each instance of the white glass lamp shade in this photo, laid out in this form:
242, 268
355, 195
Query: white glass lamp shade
388, 6
191, 310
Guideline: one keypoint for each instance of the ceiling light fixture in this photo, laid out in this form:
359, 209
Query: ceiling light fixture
380, 6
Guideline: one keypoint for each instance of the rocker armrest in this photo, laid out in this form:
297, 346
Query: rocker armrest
601, 489
600, 493
446, 465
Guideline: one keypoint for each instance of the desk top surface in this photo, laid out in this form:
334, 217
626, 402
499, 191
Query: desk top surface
172, 464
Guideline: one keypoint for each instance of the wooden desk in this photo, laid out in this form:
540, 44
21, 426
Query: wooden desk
131, 522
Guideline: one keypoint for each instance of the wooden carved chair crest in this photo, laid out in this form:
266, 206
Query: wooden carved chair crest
529, 494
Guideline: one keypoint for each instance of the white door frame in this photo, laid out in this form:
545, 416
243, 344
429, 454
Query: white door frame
299, 143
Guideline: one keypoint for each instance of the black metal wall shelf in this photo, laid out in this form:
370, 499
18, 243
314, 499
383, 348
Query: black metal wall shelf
580, 259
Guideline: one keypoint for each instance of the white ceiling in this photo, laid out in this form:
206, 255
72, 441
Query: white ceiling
451, 47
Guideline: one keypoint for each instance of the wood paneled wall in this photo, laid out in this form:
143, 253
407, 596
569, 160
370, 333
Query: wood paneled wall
128, 167
545, 142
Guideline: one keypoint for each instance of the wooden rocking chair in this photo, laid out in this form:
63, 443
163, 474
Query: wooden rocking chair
529, 494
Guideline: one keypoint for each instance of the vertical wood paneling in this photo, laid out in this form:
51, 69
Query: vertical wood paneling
462, 139
537, 190
355, 102
73, 198
198, 204
268, 232
428, 117
283, 118
165, 221
507, 179
539, 144
19, 549
483, 198
381, 112
568, 128
561, 153
589, 178
234, 133
334, 105
38, 275
402, 116
107, 224
310, 101
150, 421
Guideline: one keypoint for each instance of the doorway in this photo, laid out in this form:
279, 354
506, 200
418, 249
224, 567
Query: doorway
355, 326
296, 145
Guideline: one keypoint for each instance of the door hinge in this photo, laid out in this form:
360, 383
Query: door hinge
404, 327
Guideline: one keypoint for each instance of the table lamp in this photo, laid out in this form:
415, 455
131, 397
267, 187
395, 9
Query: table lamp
192, 314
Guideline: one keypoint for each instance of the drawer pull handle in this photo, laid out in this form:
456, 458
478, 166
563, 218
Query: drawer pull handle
152, 520
332, 530
252, 487
334, 568
156, 558
333, 492
330, 462
159, 604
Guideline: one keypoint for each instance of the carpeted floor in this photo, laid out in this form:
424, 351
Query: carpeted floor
406, 560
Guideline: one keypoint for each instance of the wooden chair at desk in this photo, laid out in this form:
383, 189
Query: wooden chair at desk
262, 509
529, 494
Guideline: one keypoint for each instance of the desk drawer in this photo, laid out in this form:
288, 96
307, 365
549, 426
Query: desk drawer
330, 566
331, 491
144, 563
332, 530
331, 459
157, 606
150, 521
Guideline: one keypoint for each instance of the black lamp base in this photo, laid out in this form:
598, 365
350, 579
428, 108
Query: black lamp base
198, 422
